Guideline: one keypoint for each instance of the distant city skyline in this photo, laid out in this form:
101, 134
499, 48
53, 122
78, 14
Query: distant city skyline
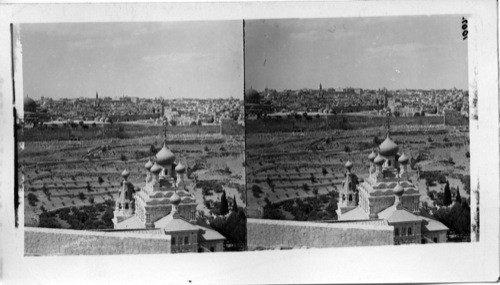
171, 60
417, 52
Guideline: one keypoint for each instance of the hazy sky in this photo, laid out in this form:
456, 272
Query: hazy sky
171, 59
392, 52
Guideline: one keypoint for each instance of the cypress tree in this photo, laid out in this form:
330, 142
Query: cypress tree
235, 205
224, 207
458, 197
447, 194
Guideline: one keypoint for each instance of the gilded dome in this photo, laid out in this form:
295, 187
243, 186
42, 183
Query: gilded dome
252, 96
180, 168
372, 156
388, 147
29, 105
379, 160
175, 199
398, 190
148, 164
403, 159
155, 169
125, 174
165, 157
348, 165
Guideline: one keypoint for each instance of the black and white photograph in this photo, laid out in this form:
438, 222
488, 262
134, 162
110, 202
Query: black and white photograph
253, 142
355, 122
132, 131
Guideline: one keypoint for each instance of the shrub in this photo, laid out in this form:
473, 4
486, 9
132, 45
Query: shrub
32, 199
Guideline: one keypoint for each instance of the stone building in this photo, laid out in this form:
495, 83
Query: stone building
164, 206
388, 194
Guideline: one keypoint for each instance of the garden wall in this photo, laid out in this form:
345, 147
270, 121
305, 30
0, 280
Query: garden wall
271, 234
41, 241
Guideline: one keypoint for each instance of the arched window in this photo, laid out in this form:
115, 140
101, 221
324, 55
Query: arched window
126, 206
396, 232
350, 197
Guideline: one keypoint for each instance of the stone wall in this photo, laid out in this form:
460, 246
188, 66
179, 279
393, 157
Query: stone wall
272, 234
41, 241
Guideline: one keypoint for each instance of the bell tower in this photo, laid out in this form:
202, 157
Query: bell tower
348, 196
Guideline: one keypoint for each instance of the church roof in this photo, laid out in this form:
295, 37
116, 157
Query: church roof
171, 224
394, 215
355, 214
132, 223
431, 225
207, 234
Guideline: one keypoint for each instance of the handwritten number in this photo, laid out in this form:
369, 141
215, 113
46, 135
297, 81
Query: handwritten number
464, 28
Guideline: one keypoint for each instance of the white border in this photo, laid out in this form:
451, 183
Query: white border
472, 262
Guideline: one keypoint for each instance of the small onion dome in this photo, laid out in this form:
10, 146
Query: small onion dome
403, 159
398, 190
379, 160
148, 164
165, 157
180, 168
175, 199
388, 147
372, 156
125, 174
155, 169
348, 165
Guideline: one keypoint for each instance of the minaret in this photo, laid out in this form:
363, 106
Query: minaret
96, 102
348, 199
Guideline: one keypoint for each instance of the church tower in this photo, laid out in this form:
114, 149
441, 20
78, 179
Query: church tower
125, 205
348, 196
152, 203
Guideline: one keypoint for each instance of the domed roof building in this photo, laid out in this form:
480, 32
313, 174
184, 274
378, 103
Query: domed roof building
388, 194
254, 107
164, 206
252, 96
29, 105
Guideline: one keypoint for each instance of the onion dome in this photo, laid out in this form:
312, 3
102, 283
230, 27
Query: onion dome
148, 164
403, 159
372, 156
165, 157
155, 169
125, 174
180, 168
388, 147
379, 160
348, 165
398, 190
175, 199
